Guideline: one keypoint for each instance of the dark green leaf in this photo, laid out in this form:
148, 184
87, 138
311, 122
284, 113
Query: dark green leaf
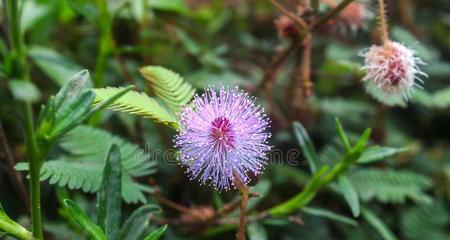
329, 214
134, 226
83, 220
109, 210
306, 145
72, 113
378, 224
350, 194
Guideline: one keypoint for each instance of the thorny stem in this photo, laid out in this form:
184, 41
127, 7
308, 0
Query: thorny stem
242, 212
383, 24
330, 15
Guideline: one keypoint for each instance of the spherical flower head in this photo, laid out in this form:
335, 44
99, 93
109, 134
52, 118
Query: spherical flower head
223, 136
392, 73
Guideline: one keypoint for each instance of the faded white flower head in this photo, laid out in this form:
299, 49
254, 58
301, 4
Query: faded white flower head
392, 72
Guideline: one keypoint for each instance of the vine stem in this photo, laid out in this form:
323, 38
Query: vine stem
245, 192
383, 24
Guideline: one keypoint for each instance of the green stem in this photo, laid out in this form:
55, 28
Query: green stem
34, 156
105, 45
321, 179
15, 230
35, 163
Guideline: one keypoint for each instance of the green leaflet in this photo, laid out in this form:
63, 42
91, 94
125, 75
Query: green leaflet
82, 167
425, 222
390, 186
171, 90
168, 86
138, 104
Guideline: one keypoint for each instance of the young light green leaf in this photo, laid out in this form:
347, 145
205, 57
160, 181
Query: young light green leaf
379, 153
306, 145
319, 212
350, 194
24, 91
109, 204
83, 220
378, 224
72, 88
362, 141
156, 234
342, 135
134, 226
55, 65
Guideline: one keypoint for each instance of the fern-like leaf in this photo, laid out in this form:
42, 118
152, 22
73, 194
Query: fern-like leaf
138, 104
168, 86
391, 186
82, 167
425, 222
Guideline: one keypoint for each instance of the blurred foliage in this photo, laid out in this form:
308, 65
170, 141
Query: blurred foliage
399, 188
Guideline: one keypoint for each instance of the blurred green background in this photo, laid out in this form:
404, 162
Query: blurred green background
234, 42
